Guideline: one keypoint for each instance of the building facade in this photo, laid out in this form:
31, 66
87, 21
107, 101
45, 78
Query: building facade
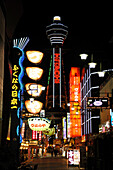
2, 48
106, 91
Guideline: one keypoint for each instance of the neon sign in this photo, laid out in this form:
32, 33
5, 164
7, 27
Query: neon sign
98, 102
34, 56
33, 89
14, 93
57, 68
49, 131
75, 115
34, 135
74, 157
57, 75
39, 124
64, 127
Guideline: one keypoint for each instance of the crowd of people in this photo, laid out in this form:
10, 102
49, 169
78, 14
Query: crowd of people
53, 151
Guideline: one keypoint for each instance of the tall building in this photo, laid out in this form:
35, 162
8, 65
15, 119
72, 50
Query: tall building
56, 96
57, 33
89, 88
7, 28
2, 47
106, 114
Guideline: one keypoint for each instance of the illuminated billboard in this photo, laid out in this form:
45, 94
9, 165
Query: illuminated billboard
33, 106
39, 124
34, 56
15, 88
75, 113
33, 89
64, 127
73, 157
49, 131
56, 75
34, 73
34, 135
98, 102
111, 114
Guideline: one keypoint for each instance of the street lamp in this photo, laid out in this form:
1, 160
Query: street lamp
101, 73
83, 56
92, 64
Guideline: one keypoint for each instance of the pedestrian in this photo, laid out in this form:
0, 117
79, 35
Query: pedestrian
55, 152
52, 151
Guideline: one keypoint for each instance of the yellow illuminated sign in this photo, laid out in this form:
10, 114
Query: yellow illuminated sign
14, 92
49, 131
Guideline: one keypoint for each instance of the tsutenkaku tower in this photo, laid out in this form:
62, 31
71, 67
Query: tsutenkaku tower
57, 33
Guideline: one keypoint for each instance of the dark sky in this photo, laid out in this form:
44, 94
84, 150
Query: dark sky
90, 29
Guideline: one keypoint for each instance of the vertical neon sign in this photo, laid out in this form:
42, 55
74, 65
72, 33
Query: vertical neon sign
17, 88
56, 75
75, 113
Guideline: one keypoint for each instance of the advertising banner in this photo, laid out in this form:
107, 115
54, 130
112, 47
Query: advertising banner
75, 112
74, 157
39, 124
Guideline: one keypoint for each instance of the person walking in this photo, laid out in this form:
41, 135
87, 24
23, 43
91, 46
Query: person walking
52, 151
55, 152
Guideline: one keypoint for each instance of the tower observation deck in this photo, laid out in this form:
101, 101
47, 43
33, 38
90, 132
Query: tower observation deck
57, 32
56, 97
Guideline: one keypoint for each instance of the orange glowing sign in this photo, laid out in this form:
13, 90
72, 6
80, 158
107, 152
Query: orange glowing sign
33, 106
33, 89
75, 84
57, 68
34, 73
75, 114
34, 56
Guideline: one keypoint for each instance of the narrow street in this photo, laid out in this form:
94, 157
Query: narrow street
52, 163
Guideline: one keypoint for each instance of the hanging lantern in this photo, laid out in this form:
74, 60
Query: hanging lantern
34, 56
34, 73
33, 89
33, 106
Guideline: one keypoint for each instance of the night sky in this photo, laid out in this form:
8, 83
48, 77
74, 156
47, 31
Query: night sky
90, 30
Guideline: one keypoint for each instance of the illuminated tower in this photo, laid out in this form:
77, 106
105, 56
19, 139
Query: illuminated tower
56, 33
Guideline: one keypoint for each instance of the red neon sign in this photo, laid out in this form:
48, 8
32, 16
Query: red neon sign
34, 135
38, 125
57, 68
75, 114
40, 135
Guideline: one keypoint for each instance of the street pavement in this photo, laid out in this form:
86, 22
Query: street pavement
52, 163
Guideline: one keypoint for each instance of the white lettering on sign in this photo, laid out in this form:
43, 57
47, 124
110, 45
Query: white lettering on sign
76, 94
